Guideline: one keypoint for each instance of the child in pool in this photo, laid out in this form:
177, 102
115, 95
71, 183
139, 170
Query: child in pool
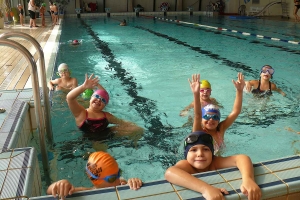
208, 118
205, 98
123, 23
93, 121
103, 171
263, 87
65, 82
199, 157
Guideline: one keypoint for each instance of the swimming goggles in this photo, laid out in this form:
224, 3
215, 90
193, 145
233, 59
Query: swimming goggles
97, 96
267, 69
109, 179
214, 117
206, 138
63, 71
205, 90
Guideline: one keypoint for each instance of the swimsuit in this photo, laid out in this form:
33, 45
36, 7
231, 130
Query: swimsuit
261, 93
219, 145
55, 13
21, 11
94, 125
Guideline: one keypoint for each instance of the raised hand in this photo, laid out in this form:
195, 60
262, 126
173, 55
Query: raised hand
240, 83
195, 83
90, 82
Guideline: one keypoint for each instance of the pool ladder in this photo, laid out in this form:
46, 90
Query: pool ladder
41, 120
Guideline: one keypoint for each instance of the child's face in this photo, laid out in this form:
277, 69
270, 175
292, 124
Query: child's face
211, 123
205, 93
97, 103
64, 73
200, 157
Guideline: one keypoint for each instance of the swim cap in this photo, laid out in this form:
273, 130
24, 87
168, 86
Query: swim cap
75, 41
103, 94
87, 94
43, 4
205, 84
198, 137
101, 164
212, 109
62, 66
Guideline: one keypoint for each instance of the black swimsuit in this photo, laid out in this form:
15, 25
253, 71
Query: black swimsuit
21, 11
96, 128
261, 93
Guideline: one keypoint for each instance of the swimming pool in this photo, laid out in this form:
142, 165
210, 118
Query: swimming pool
145, 67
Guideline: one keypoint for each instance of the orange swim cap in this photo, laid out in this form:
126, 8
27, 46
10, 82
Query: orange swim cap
101, 164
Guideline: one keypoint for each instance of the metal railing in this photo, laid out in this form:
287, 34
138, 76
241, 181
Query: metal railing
36, 93
43, 78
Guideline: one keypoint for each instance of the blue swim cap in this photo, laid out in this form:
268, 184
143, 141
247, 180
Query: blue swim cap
87, 94
212, 109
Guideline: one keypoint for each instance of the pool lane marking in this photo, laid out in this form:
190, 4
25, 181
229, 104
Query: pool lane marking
228, 30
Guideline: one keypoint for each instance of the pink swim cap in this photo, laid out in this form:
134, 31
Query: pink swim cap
75, 41
103, 94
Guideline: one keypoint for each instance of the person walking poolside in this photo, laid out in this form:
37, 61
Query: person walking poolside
21, 10
296, 9
42, 14
31, 10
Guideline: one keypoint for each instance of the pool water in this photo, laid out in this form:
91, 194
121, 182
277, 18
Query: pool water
145, 67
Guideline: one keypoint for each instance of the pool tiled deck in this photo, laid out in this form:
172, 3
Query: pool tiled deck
19, 172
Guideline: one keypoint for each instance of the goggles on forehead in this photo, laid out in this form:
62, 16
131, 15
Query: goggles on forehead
266, 69
214, 117
206, 138
97, 96
109, 179
205, 90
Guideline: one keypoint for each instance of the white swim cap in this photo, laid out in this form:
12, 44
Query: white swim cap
62, 66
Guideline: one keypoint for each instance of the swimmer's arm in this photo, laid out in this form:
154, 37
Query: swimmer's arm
249, 85
280, 91
63, 188
181, 174
195, 87
244, 164
100, 87
237, 105
124, 127
52, 83
186, 109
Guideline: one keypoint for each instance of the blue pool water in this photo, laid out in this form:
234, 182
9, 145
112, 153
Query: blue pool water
145, 67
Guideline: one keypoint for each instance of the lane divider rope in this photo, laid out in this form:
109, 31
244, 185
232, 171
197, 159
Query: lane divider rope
224, 29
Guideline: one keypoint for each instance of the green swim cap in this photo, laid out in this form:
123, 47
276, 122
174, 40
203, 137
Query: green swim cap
43, 4
87, 94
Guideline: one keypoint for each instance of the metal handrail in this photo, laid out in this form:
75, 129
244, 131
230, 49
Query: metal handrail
43, 78
36, 96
